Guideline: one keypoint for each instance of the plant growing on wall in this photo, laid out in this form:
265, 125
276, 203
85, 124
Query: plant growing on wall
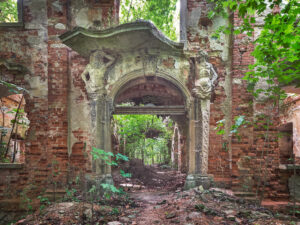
239, 122
277, 49
275, 26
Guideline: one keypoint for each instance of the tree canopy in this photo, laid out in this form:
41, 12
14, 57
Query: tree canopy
144, 136
161, 12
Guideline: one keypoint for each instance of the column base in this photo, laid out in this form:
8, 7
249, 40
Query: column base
195, 180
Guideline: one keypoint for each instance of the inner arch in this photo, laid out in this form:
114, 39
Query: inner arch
150, 90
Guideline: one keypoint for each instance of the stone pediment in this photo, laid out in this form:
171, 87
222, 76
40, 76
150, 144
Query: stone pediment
123, 38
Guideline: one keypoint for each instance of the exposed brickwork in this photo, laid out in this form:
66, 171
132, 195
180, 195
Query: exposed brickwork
53, 69
54, 79
252, 156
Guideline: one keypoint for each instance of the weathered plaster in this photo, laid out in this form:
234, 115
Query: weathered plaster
37, 86
112, 65
38, 14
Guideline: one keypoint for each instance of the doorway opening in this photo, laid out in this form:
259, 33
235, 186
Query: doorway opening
154, 148
150, 127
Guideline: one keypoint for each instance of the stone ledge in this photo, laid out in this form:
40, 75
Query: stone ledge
289, 166
11, 165
195, 180
15, 26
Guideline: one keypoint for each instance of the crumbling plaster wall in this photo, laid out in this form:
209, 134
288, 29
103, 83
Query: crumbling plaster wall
234, 162
57, 104
53, 82
28, 46
135, 63
199, 32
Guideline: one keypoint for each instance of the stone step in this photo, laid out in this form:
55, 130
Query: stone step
58, 193
244, 194
251, 199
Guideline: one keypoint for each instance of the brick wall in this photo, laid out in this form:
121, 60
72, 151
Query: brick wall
53, 76
54, 82
253, 159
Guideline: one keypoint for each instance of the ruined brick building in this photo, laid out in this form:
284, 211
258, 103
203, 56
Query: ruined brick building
78, 64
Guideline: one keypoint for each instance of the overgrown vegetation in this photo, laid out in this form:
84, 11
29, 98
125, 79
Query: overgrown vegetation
275, 26
276, 49
9, 133
144, 136
162, 13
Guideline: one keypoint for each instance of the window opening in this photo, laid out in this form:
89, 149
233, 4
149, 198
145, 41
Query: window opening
10, 12
14, 126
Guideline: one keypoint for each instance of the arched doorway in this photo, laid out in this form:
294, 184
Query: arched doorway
149, 96
156, 96
134, 62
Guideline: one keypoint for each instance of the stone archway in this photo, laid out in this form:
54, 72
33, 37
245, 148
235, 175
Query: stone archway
158, 96
136, 56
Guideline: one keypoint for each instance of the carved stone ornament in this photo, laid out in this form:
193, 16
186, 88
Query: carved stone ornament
203, 88
206, 78
94, 73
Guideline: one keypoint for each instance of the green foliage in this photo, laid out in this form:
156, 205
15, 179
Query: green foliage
277, 48
20, 119
111, 159
108, 156
239, 121
103, 155
161, 13
44, 201
145, 136
26, 202
14, 89
110, 189
120, 156
126, 175
220, 127
8, 11
71, 195
115, 211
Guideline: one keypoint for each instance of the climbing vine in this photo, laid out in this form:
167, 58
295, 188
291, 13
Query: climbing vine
277, 48
274, 24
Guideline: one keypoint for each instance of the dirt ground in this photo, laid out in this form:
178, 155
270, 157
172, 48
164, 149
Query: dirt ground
156, 196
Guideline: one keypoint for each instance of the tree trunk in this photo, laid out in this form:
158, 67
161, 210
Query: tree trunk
143, 149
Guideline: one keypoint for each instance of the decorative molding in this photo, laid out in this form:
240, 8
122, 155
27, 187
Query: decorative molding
162, 74
205, 112
125, 37
206, 76
14, 66
94, 73
11, 165
157, 110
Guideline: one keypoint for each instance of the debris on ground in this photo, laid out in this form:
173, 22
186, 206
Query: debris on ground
150, 176
167, 203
